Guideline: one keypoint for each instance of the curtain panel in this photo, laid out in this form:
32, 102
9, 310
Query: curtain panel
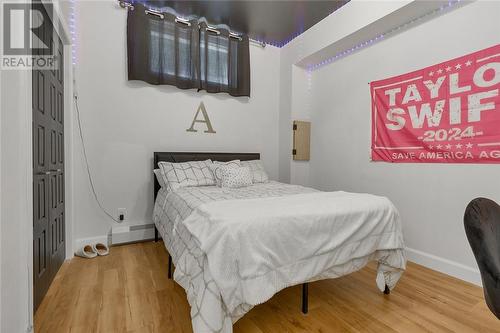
162, 51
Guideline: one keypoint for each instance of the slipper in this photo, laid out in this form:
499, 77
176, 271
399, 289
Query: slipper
101, 249
86, 251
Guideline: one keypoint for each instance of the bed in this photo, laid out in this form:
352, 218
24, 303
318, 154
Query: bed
235, 248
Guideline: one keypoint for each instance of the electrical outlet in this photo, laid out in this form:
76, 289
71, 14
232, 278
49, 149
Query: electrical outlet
122, 213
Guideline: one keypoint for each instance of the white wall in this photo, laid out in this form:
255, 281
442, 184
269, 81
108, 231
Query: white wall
14, 163
342, 28
16, 212
0, 203
125, 122
431, 197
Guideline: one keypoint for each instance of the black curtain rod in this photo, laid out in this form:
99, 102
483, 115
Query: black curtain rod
128, 5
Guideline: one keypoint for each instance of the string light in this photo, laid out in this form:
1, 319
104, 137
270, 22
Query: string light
72, 30
284, 42
378, 38
281, 43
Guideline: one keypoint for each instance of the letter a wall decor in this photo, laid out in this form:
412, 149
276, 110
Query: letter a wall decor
205, 120
446, 113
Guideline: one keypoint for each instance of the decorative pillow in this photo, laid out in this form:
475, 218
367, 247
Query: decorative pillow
259, 174
159, 178
217, 168
236, 177
194, 173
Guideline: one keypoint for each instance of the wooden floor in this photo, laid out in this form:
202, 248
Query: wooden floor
128, 291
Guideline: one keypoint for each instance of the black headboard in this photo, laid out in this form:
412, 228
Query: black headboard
176, 157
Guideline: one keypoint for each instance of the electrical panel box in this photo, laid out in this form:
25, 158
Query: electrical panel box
301, 140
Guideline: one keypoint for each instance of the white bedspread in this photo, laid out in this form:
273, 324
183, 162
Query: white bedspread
233, 254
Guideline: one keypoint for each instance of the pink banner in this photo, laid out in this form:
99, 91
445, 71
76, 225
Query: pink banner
447, 113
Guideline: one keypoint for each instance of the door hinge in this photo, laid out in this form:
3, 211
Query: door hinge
294, 151
294, 127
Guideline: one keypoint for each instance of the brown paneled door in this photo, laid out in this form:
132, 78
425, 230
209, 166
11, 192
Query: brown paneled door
48, 170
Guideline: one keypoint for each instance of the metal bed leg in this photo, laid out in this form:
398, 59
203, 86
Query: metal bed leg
156, 235
169, 266
387, 291
305, 298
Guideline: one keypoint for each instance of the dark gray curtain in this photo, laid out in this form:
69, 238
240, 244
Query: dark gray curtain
163, 51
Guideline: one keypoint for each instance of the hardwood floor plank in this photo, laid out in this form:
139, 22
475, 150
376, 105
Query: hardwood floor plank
113, 313
128, 291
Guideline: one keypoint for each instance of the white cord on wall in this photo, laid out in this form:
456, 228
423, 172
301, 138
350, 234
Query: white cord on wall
89, 174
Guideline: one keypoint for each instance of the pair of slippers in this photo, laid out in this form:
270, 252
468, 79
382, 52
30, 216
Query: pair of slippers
92, 251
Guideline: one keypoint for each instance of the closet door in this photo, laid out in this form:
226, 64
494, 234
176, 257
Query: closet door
48, 171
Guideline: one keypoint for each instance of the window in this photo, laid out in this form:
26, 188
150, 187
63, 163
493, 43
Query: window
162, 50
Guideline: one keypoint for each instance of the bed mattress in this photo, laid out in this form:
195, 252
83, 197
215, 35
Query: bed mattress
235, 248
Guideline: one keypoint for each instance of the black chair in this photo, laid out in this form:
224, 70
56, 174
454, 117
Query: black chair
482, 226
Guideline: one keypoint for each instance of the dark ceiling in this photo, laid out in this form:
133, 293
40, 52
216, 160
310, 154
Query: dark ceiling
275, 22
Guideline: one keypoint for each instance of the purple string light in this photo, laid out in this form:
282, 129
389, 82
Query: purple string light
367, 43
72, 30
283, 42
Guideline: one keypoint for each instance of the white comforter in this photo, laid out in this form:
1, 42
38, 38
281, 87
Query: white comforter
238, 253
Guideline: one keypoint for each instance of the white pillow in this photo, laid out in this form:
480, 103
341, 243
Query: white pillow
236, 177
194, 173
259, 174
159, 178
217, 168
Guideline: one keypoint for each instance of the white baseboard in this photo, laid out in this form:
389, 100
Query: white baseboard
123, 234
445, 266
